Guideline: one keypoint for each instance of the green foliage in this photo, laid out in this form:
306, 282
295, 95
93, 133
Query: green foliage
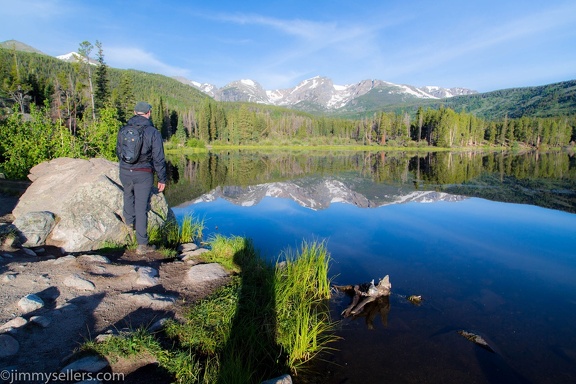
302, 288
99, 136
90, 114
224, 250
102, 90
26, 142
195, 143
171, 234
242, 333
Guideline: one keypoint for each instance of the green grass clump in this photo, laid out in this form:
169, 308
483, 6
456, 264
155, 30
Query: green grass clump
230, 252
208, 322
168, 236
302, 289
267, 321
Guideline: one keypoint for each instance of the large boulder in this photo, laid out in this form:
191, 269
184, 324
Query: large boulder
34, 227
85, 197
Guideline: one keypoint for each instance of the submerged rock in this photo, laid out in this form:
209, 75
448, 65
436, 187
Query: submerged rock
476, 339
415, 299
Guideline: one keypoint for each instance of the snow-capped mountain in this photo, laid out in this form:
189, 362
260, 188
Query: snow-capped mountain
74, 57
321, 93
320, 194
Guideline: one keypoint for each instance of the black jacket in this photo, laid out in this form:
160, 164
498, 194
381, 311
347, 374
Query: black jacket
152, 154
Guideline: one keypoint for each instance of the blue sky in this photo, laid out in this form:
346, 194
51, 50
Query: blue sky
482, 45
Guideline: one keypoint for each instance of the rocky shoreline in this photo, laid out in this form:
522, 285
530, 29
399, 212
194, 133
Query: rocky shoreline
50, 305
51, 302
60, 289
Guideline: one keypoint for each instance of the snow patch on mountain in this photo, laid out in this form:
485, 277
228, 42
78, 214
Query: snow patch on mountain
74, 57
321, 91
318, 195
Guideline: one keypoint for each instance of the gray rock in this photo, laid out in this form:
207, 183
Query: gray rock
75, 281
193, 257
195, 252
8, 347
91, 364
158, 325
94, 259
9, 277
86, 196
203, 273
29, 252
147, 276
16, 322
152, 300
64, 259
103, 337
30, 303
34, 227
186, 247
42, 321
284, 379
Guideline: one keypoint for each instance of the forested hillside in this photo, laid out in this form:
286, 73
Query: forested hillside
50, 108
553, 100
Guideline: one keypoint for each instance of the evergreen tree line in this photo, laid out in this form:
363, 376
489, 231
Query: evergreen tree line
50, 108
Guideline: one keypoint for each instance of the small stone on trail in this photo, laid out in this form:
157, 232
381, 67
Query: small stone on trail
8, 347
42, 321
75, 281
187, 247
91, 364
16, 322
157, 326
153, 300
64, 259
284, 379
147, 276
9, 277
94, 259
204, 273
29, 252
30, 303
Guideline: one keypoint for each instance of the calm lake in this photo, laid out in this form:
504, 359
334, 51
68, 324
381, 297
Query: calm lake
487, 239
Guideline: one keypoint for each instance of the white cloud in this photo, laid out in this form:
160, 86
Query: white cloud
136, 58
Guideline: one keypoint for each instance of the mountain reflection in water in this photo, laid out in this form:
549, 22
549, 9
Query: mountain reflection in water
501, 270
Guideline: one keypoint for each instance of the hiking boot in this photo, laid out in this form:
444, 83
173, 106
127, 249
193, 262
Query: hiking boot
144, 249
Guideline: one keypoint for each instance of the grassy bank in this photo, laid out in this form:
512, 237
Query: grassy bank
269, 320
321, 147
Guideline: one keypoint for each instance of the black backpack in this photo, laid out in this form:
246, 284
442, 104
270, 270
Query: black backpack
131, 139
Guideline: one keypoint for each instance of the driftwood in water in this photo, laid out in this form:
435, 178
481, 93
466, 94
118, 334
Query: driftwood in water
364, 294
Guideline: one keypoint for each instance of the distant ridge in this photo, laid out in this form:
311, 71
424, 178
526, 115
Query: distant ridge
320, 94
19, 46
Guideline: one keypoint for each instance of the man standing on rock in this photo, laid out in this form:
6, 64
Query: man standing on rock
137, 173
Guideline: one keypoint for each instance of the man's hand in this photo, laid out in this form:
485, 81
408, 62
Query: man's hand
161, 187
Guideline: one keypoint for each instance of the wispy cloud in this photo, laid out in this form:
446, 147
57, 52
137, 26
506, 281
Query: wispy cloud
136, 58
315, 44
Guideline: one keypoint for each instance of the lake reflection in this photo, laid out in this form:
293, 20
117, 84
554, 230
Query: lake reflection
506, 271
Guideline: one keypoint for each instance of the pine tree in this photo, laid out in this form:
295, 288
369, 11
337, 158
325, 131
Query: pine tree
180, 134
84, 50
102, 92
123, 97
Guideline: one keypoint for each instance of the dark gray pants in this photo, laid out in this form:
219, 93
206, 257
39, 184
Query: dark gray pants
137, 191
